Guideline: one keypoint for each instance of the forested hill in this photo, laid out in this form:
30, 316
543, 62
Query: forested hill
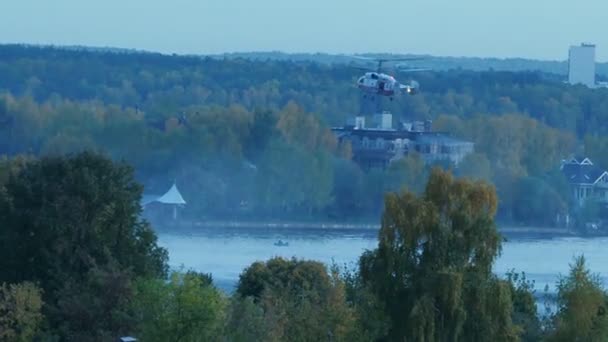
438, 63
163, 85
249, 135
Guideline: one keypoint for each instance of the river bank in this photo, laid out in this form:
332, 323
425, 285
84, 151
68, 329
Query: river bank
507, 230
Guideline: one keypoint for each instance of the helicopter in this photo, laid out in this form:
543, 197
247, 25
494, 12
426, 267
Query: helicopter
378, 83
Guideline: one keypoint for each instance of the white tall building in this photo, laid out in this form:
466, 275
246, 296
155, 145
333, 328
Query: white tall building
581, 65
384, 120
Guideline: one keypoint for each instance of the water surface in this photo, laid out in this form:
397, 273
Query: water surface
226, 252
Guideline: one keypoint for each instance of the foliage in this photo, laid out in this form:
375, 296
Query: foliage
537, 202
246, 321
233, 131
20, 311
183, 309
525, 312
520, 156
582, 305
476, 166
300, 301
409, 173
71, 224
429, 279
432, 267
95, 307
372, 321
595, 148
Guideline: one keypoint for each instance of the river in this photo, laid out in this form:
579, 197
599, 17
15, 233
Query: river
225, 253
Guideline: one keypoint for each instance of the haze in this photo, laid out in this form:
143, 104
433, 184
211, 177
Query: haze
540, 29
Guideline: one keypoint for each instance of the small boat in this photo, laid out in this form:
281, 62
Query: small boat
281, 243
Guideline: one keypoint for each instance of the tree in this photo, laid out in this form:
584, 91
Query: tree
408, 172
61, 218
475, 166
263, 129
186, 308
176, 115
292, 180
372, 321
300, 300
582, 306
94, 307
525, 312
246, 321
20, 311
11, 166
348, 191
432, 267
537, 202
595, 148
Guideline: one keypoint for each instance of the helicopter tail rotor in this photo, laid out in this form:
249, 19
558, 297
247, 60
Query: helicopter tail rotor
411, 88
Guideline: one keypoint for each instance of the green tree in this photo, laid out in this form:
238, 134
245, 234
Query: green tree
475, 166
432, 267
246, 321
372, 320
595, 148
537, 202
263, 129
300, 300
61, 218
20, 312
348, 189
409, 173
292, 180
186, 308
582, 306
95, 306
525, 312
10, 166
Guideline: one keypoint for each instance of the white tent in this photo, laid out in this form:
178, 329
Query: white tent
172, 197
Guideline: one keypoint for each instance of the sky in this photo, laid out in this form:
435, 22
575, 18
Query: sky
537, 29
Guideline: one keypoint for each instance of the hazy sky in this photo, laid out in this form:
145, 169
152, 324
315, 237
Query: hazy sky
541, 29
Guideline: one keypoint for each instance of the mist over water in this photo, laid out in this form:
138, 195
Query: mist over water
226, 252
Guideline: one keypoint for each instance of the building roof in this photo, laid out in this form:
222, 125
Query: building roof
421, 137
172, 197
582, 171
371, 133
128, 339
438, 138
147, 199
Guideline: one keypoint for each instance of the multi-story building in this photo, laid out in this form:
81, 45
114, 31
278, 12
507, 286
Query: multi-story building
379, 146
437, 147
587, 181
581, 65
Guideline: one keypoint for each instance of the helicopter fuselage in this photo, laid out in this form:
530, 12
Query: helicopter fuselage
378, 83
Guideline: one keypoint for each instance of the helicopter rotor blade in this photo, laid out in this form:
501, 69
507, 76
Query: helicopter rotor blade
384, 60
381, 62
413, 70
361, 68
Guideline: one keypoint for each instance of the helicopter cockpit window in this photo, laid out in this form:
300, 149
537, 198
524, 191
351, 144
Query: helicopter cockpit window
374, 76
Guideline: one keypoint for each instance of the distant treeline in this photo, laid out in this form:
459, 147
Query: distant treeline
437, 63
251, 138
